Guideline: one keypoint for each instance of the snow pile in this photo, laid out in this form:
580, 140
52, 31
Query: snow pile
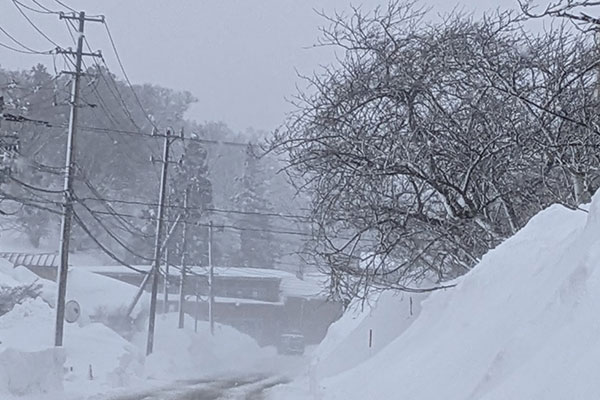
6, 280
31, 373
364, 330
101, 295
522, 325
96, 294
96, 357
183, 353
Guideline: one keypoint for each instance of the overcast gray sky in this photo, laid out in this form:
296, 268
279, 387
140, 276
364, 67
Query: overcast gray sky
238, 57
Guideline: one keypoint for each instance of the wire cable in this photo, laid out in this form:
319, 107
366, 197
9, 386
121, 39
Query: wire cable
44, 10
225, 226
37, 189
112, 234
65, 6
16, 3
27, 49
120, 62
206, 209
40, 5
104, 249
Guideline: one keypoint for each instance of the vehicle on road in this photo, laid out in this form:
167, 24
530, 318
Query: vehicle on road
291, 343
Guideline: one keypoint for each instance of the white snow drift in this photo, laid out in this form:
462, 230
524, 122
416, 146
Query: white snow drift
523, 324
95, 359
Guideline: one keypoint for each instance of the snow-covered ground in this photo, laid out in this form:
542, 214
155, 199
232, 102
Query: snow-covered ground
522, 325
95, 359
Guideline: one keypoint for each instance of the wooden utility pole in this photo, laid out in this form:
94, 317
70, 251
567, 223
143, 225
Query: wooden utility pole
166, 284
157, 243
67, 214
197, 308
211, 281
183, 260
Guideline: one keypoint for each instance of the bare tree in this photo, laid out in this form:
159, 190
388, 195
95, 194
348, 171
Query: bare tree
428, 144
569, 9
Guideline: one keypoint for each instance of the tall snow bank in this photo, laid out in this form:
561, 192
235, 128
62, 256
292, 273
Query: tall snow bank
522, 325
364, 330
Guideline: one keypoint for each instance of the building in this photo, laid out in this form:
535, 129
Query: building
264, 303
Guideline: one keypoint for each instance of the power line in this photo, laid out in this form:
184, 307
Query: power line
49, 11
44, 10
6, 46
206, 209
113, 235
226, 226
120, 62
128, 226
16, 3
149, 135
37, 189
27, 49
102, 247
65, 6
189, 139
116, 94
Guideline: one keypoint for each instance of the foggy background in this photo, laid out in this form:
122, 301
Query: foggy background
239, 58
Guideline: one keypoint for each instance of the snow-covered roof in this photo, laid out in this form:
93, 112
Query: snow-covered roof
294, 287
243, 272
235, 300
290, 284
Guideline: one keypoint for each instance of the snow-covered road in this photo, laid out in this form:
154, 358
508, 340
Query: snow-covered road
236, 388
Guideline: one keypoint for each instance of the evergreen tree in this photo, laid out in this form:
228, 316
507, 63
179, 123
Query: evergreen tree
191, 174
257, 245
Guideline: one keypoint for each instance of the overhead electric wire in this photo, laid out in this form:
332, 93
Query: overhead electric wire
115, 93
24, 14
120, 62
40, 5
206, 209
44, 10
65, 6
113, 235
27, 49
149, 135
37, 189
128, 226
15, 49
225, 226
102, 247
189, 139
31, 202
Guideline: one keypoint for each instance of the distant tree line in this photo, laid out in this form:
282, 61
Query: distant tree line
116, 181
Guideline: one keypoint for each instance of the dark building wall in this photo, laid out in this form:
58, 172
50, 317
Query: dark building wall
311, 317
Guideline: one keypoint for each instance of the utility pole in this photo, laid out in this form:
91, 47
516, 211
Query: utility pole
166, 284
158, 242
183, 261
211, 281
197, 308
67, 215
